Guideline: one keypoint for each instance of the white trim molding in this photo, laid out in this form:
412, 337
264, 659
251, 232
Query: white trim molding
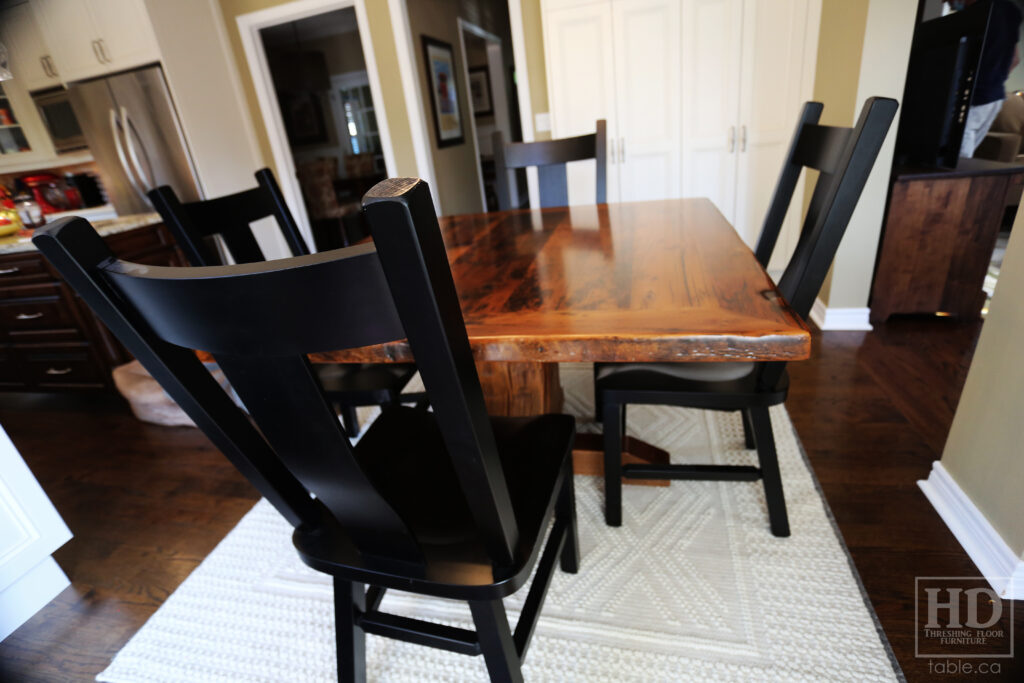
419, 129
515, 18
850, 319
996, 561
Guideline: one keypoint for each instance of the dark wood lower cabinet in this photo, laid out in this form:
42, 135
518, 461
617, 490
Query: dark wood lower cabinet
49, 339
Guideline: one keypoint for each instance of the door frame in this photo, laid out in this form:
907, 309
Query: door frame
249, 26
492, 40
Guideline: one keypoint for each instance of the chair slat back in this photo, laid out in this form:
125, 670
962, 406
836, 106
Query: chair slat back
259, 322
550, 156
836, 193
229, 217
405, 231
785, 187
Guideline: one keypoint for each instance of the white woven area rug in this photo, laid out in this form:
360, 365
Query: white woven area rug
691, 587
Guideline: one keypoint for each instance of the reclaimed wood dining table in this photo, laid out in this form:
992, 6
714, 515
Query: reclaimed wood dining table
656, 281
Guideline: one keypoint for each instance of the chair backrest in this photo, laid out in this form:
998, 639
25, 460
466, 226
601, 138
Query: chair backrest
259, 323
550, 158
843, 158
229, 217
785, 186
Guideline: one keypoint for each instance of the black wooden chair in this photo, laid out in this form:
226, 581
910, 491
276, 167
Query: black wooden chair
550, 158
194, 226
449, 503
844, 157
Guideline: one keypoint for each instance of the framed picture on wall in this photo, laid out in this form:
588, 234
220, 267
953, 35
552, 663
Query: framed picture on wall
480, 91
444, 94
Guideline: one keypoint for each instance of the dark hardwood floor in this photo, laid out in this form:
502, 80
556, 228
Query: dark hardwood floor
147, 503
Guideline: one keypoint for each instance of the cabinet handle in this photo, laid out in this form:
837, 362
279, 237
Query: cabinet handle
622, 150
29, 316
743, 138
55, 371
96, 51
53, 69
9, 271
732, 139
46, 67
103, 51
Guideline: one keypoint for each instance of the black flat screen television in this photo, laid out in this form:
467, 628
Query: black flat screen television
944, 61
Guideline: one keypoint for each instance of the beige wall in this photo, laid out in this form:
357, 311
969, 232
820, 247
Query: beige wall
455, 166
840, 45
883, 69
379, 20
984, 450
536, 69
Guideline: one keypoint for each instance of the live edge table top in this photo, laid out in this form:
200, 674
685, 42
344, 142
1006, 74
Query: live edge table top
641, 281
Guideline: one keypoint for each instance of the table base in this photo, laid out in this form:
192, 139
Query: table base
517, 389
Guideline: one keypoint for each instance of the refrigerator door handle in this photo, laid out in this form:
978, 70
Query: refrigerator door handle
115, 128
136, 164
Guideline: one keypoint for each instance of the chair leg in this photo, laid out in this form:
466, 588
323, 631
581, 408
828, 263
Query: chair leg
567, 509
496, 642
598, 403
770, 477
350, 420
349, 602
614, 421
748, 430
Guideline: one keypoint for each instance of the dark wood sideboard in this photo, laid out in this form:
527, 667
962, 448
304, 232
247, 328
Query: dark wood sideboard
49, 339
938, 238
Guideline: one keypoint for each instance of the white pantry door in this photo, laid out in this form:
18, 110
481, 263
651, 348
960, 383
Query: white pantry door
581, 72
30, 530
774, 40
712, 34
648, 72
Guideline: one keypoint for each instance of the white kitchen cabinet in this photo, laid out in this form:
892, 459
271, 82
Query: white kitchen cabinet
581, 64
91, 38
31, 62
23, 137
30, 530
701, 96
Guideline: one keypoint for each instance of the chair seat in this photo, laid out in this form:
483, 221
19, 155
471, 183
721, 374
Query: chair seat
732, 387
352, 383
404, 454
707, 372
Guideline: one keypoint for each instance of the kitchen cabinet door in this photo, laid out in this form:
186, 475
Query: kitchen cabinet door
648, 150
68, 27
96, 37
581, 83
31, 62
712, 35
30, 530
125, 33
771, 97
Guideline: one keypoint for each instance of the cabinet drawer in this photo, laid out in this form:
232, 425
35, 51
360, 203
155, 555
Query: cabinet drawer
20, 269
44, 309
11, 376
58, 366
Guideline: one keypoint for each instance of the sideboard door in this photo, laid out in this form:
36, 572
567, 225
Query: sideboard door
30, 530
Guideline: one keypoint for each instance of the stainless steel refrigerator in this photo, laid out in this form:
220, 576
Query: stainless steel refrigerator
133, 132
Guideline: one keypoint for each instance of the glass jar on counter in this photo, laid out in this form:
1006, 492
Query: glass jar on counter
29, 210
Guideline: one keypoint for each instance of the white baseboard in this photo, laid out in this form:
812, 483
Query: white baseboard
29, 594
1001, 567
839, 318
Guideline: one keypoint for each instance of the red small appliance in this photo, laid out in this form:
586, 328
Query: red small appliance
52, 193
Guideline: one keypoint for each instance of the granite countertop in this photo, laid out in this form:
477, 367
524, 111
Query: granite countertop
112, 226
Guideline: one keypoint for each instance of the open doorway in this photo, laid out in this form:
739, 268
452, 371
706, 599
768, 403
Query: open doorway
494, 107
316, 80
